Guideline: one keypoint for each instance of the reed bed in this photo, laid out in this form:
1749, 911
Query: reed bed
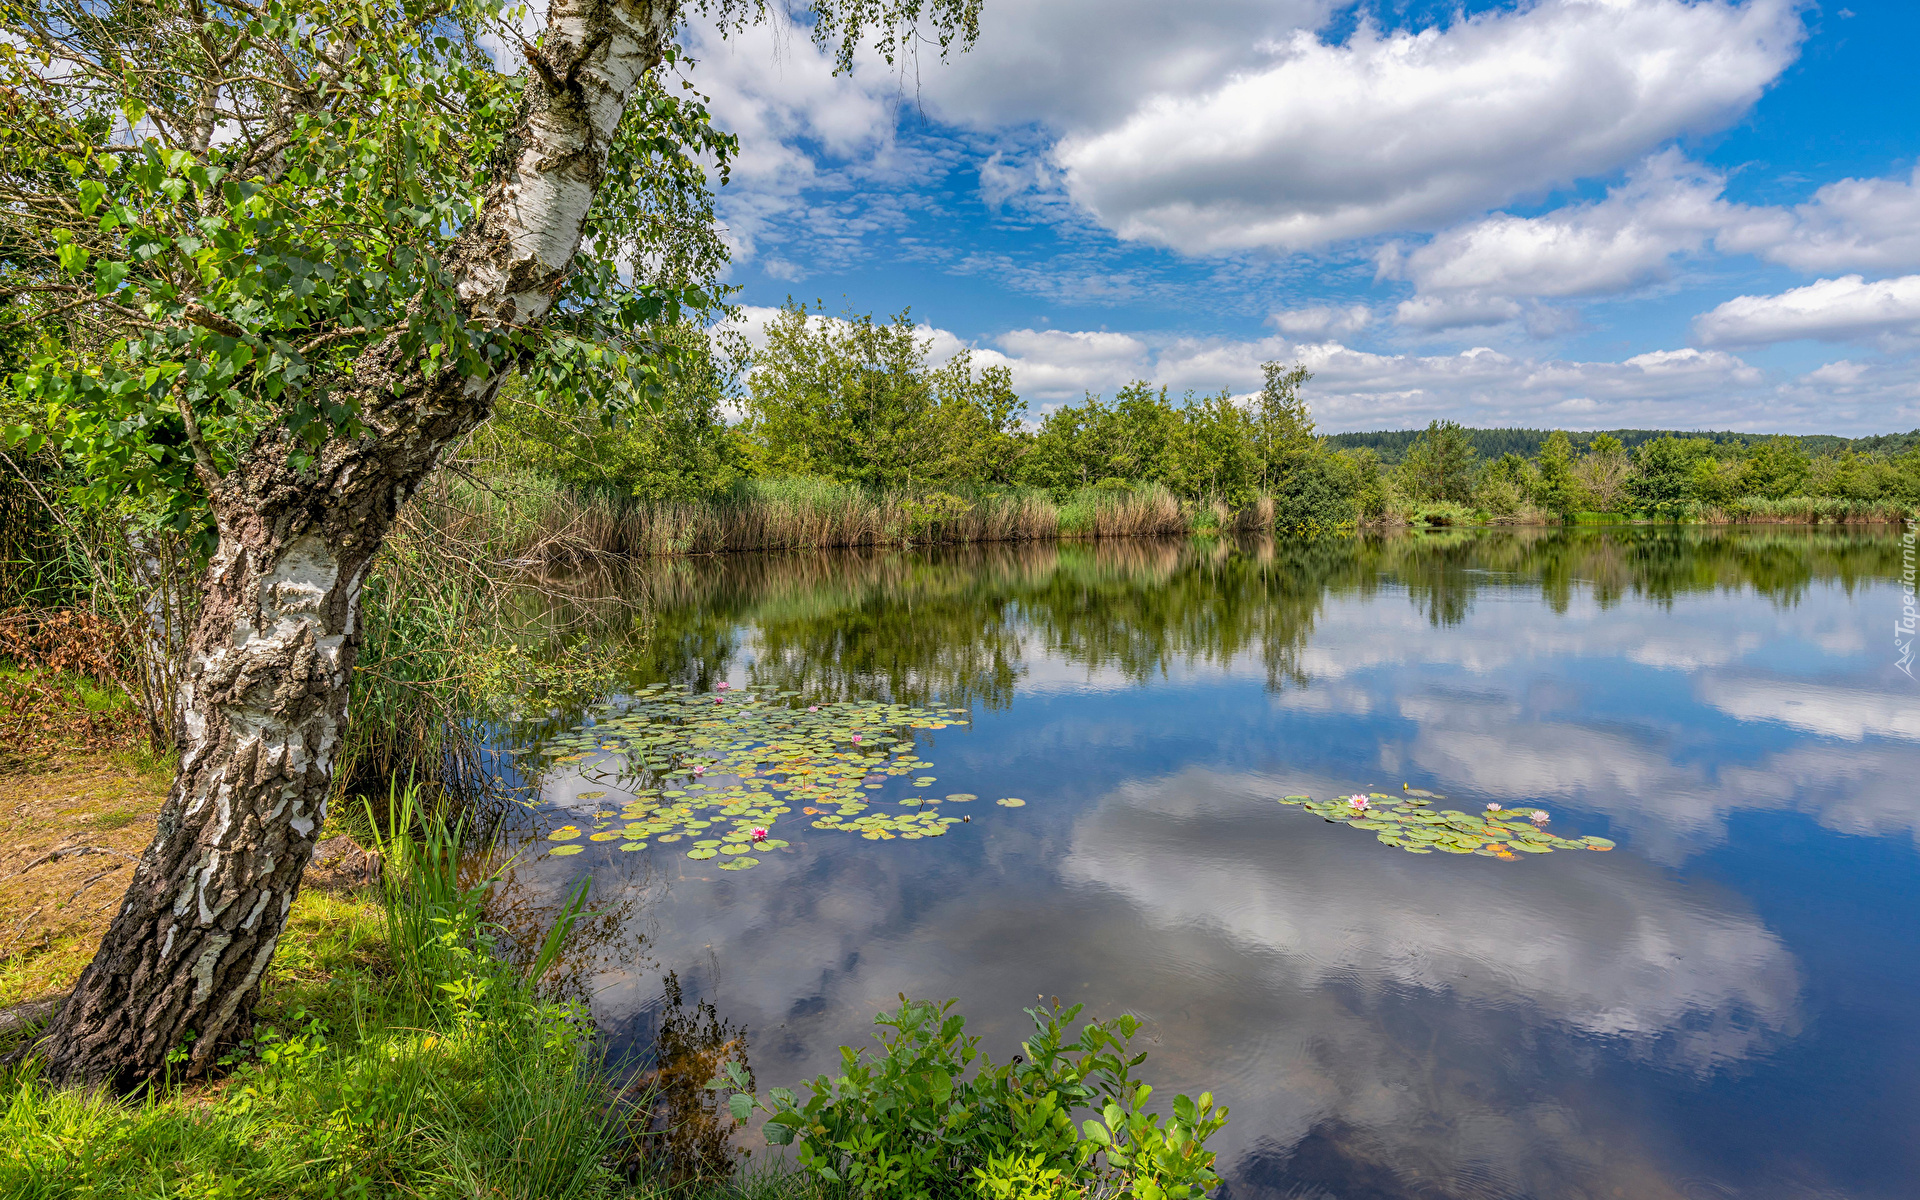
532, 522
1812, 510
529, 522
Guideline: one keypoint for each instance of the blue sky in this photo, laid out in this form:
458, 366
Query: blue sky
1575, 213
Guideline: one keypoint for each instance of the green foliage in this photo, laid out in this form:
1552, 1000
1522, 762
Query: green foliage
1392, 444
1212, 452
1555, 489
1282, 424
1207, 450
1440, 464
396, 1054
932, 1116
856, 401
675, 448
1664, 483
192, 294
443, 650
1774, 469
1713, 483
1506, 485
1320, 492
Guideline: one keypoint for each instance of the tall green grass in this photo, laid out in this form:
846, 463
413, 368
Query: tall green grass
1813, 510
397, 1054
528, 522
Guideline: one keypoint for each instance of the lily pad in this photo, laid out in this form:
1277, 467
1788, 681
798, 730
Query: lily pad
633, 845
1403, 822
1011, 802
704, 852
562, 851
739, 864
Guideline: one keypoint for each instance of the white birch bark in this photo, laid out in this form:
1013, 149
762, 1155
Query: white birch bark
265, 691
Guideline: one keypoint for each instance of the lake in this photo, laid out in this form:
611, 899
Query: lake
1721, 1005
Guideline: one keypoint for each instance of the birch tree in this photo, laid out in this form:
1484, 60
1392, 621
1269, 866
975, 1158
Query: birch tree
279, 255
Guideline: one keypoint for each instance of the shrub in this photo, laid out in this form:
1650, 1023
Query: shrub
1315, 496
932, 1116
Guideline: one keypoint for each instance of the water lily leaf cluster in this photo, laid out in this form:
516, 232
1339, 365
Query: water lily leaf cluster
1411, 823
718, 770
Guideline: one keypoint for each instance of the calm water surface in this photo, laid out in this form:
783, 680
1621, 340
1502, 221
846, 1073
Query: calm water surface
1724, 1006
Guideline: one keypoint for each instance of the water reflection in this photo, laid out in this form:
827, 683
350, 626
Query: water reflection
1678, 1018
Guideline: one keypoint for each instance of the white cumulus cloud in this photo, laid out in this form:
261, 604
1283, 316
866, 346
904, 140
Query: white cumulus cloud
1829, 310
1386, 133
1854, 224
1433, 314
1319, 321
1666, 207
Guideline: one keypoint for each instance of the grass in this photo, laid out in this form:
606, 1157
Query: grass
530, 522
1813, 510
395, 1053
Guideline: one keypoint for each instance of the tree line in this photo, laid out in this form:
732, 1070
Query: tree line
1392, 444
859, 401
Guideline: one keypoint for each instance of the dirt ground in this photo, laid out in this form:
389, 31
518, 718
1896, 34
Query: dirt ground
70, 834
69, 837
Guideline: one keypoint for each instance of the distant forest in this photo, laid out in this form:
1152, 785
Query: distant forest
1392, 444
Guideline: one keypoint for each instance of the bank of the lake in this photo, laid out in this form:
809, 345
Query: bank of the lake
532, 521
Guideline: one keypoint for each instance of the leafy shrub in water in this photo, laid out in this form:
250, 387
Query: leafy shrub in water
933, 1116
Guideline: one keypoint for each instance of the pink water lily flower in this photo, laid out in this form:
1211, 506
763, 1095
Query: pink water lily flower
1493, 808
813, 708
1539, 818
722, 686
759, 835
856, 737
1357, 802
698, 768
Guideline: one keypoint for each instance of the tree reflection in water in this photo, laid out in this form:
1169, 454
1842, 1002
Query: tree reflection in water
959, 625
682, 1130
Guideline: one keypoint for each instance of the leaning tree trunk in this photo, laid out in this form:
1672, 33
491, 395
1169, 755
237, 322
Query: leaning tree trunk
264, 700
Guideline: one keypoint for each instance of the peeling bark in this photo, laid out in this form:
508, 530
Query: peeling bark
264, 696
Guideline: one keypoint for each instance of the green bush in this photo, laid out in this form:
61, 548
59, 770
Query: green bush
933, 1116
1316, 496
